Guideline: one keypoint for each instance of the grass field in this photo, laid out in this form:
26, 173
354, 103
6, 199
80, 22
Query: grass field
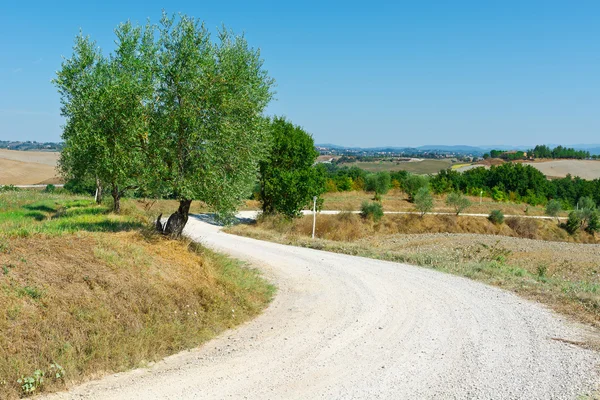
85, 292
28, 167
562, 275
423, 167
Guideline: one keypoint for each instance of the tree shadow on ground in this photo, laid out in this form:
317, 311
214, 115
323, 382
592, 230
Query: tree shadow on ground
40, 207
212, 219
101, 226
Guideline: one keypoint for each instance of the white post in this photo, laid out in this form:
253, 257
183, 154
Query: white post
314, 215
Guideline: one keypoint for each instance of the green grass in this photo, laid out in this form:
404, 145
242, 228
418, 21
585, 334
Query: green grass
26, 213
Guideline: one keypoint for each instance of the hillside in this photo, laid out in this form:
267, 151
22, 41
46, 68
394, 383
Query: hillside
28, 167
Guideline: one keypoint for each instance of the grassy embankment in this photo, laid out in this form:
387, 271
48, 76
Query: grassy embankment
397, 200
561, 274
422, 167
94, 292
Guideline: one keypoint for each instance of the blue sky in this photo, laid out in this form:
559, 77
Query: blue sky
355, 73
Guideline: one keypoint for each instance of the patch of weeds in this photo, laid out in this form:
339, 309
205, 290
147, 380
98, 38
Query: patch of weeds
13, 312
542, 272
31, 384
6, 268
31, 292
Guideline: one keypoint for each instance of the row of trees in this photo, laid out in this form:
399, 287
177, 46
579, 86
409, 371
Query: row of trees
174, 113
543, 151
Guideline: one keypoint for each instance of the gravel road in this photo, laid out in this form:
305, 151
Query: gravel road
344, 327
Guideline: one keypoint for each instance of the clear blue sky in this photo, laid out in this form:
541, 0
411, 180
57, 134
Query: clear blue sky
355, 73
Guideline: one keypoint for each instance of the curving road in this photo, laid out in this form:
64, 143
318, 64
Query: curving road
344, 327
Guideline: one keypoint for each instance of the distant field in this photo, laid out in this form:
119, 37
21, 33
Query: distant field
415, 167
28, 167
586, 169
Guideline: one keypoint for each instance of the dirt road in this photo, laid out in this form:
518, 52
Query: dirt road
344, 327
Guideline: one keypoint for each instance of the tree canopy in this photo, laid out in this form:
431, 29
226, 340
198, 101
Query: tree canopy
288, 177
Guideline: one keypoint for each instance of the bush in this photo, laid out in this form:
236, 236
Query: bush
50, 188
553, 208
8, 188
573, 223
496, 217
458, 201
413, 183
371, 210
593, 225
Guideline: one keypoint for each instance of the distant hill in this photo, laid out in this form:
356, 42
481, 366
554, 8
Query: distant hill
30, 145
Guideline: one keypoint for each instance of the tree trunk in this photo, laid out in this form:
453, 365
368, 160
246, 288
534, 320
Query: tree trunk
98, 195
177, 220
116, 195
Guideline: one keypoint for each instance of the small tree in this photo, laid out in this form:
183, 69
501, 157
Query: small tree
586, 209
573, 222
379, 183
288, 178
371, 210
413, 183
458, 201
593, 225
496, 217
423, 201
553, 208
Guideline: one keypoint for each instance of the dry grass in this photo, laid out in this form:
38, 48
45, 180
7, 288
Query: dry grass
108, 300
28, 167
563, 275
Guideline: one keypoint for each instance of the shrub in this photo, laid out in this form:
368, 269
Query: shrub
50, 188
379, 182
553, 208
423, 200
593, 224
496, 217
371, 210
458, 201
573, 223
413, 183
8, 188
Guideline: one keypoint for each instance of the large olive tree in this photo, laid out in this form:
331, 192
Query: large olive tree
208, 133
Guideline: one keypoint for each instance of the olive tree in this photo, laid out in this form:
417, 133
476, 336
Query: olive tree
208, 132
423, 200
105, 101
458, 201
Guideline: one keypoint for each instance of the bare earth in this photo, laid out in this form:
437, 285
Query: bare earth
346, 327
28, 167
586, 169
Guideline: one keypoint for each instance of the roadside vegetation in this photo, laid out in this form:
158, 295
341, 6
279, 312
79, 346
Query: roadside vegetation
534, 258
87, 292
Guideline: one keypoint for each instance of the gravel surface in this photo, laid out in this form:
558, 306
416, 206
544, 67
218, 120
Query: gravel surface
345, 327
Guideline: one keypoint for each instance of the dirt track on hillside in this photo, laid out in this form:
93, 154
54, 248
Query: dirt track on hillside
348, 327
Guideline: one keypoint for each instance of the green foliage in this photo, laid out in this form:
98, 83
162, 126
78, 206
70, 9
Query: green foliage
30, 384
8, 188
573, 222
379, 182
50, 188
413, 183
372, 210
423, 200
496, 217
207, 133
458, 201
288, 178
593, 224
543, 151
553, 208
